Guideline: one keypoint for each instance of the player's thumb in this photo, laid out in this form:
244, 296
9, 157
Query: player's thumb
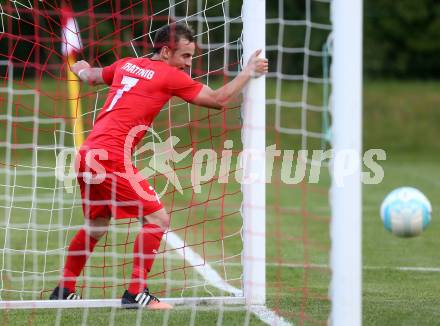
257, 53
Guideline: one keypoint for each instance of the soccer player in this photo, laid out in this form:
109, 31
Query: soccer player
110, 184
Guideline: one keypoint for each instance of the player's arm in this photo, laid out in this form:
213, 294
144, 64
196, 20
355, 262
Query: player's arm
220, 98
86, 73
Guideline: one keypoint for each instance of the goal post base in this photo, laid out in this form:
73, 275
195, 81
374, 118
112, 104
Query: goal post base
115, 303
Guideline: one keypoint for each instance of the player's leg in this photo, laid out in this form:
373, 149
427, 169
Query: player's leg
80, 248
145, 247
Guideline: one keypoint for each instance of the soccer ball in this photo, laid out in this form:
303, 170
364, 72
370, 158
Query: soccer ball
405, 212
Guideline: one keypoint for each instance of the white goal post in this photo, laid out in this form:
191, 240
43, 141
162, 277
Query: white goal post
346, 200
254, 141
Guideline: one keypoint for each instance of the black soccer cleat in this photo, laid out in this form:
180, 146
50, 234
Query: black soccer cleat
142, 300
63, 294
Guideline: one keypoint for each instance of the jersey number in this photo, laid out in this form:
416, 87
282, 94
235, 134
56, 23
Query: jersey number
129, 83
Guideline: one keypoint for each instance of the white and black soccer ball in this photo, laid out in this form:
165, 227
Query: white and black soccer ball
406, 212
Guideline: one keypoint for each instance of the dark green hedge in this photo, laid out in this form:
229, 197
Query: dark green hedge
402, 38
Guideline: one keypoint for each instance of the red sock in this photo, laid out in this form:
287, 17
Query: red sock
80, 248
145, 248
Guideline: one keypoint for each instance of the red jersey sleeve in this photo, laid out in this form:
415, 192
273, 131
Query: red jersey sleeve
182, 85
109, 71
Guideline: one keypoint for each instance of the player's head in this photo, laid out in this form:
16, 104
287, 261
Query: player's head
174, 44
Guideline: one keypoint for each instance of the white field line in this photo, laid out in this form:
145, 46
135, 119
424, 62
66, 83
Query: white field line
269, 316
200, 264
209, 274
392, 268
425, 269
405, 268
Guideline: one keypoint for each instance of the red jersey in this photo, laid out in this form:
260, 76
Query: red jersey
139, 88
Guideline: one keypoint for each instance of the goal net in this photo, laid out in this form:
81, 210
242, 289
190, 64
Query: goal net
46, 113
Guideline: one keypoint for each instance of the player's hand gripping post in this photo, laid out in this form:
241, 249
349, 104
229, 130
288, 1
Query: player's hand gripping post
256, 66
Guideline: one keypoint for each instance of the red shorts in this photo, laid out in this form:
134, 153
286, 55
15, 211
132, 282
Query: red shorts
107, 190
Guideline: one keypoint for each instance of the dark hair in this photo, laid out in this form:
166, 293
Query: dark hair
169, 35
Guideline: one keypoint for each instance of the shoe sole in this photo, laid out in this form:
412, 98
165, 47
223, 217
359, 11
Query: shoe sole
138, 306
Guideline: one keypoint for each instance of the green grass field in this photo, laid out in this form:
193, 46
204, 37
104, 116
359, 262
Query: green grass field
400, 117
393, 296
